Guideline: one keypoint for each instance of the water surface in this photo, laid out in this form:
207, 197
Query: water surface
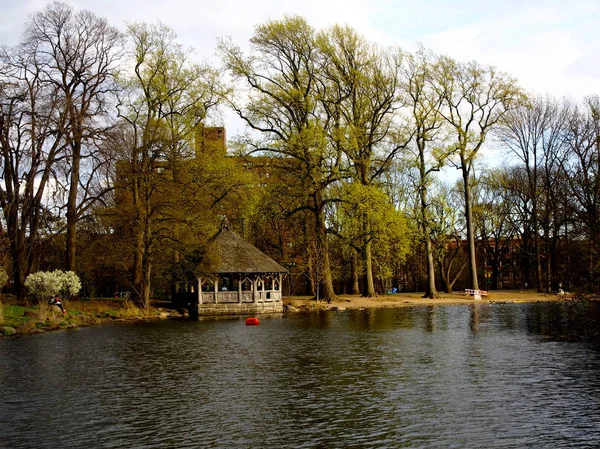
484, 376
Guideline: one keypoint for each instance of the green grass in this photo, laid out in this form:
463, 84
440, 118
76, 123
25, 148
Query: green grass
27, 319
13, 315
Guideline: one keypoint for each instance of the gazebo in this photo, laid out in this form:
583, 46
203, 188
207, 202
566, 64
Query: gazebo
237, 278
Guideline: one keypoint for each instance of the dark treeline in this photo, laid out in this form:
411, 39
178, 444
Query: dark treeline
363, 169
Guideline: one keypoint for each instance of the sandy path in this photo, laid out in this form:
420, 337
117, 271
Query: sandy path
415, 299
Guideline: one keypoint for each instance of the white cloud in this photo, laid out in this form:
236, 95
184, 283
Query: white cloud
548, 48
549, 45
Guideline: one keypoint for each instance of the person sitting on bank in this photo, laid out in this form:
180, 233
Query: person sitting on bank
57, 302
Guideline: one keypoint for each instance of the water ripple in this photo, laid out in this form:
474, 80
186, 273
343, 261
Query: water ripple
436, 377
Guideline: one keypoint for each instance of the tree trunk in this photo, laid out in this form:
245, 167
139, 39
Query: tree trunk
538, 253
470, 226
72, 209
138, 237
137, 270
355, 283
548, 264
431, 290
312, 290
328, 292
145, 296
369, 284
147, 253
19, 262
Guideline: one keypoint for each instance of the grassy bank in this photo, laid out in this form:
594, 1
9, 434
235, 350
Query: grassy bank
16, 319
19, 319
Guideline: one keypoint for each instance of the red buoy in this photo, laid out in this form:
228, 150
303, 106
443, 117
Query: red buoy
252, 321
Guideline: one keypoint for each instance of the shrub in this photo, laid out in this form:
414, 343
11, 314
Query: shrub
45, 284
70, 283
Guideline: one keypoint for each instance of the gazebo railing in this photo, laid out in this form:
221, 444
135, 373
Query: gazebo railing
247, 296
268, 296
229, 297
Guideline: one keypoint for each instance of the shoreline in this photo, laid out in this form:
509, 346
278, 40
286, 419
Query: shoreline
102, 311
18, 319
306, 303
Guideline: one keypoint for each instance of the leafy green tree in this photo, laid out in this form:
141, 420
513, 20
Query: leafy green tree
360, 92
428, 156
163, 103
366, 215
282, 106
475, 98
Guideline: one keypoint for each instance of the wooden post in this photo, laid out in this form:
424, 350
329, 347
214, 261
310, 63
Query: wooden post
216, 290
280, 287
199, 290
239, 289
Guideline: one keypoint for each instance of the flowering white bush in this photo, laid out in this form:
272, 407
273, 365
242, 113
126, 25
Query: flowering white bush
70, 283
45, 284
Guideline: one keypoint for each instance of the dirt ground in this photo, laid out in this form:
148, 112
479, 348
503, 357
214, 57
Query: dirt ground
416, 299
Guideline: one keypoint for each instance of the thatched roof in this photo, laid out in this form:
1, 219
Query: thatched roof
229, 253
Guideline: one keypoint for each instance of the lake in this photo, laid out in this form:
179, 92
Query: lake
481, 376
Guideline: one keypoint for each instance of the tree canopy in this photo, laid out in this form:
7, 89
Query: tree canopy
115, 164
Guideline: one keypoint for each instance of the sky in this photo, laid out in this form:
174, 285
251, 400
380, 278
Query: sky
550, 46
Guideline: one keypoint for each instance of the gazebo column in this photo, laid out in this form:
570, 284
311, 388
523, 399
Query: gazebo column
216, 290
199, 290
239, 289
280, 287
254, 290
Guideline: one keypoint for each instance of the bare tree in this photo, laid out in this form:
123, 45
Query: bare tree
447, 231
77, 54
31, 143
535, 134
493, 214
583, 173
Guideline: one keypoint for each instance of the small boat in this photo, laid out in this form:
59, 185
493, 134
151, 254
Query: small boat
252, 321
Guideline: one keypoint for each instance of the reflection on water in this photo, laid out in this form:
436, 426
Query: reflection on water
485, 376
